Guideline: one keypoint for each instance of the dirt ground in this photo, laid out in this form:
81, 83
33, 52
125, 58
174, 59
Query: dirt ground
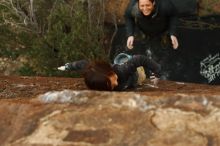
29, 87
15, 86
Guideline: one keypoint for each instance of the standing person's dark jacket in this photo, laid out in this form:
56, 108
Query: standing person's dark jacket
164, 18
186, 7
126, 72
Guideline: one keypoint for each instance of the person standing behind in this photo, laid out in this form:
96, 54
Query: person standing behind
158, 17
158, 20
153, 18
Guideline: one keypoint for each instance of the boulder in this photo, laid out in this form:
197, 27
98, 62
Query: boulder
42, 111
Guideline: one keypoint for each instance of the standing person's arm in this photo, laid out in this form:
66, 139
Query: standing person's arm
172, 31
130, 24
170, 12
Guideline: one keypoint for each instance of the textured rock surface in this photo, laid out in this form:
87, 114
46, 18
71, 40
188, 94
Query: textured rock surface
38, 111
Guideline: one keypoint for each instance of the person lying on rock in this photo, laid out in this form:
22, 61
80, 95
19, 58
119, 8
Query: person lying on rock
100, 75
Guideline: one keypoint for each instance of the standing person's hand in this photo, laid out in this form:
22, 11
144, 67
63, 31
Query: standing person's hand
174, 41
130, 42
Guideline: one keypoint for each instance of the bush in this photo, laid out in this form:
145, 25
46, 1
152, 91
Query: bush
57, 32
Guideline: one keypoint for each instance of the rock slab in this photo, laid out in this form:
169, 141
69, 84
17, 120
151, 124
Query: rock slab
40, 111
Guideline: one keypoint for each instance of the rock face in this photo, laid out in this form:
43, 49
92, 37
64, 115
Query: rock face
38, 111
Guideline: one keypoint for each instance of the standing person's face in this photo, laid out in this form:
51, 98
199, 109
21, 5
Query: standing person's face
146, 7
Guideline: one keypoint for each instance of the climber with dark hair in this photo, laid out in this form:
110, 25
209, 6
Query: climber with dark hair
100, 75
